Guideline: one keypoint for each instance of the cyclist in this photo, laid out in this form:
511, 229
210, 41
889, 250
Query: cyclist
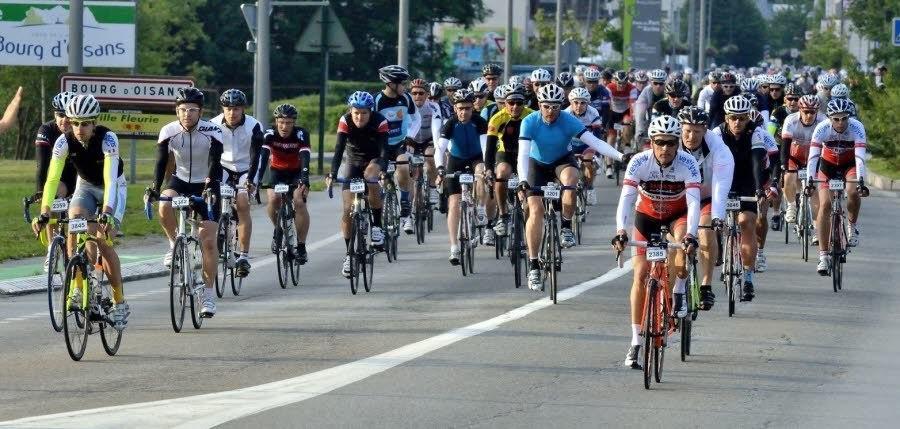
480, 88
429, 132
464, 136
843, 92
641, 80
242, 138
837, 151
93, 150
436, 96
404, 121
286, 153
539, 78
622, 97
717, 101
566, 81
665, 182
705, 95
451, 84
676, 99
716, 170
751, 176
545, 156
775, 96
590, 117
792, 94
196, 146
502, 150
796, 136
363, 134
492, 74
644, 104
46, 137
826, 82
599, 94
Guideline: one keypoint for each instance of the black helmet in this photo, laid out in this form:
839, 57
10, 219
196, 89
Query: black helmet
463, 96
754, 101
565, 80
677, 88
189, 95
693, 115
285, 111
393, 74
793, 89
606, 75
620, 76
491, 69
233, 98
514, 92
435, 90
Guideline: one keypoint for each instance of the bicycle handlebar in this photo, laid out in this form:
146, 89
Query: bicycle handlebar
346, 180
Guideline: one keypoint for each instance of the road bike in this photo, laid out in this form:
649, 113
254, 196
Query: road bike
360, 250
57, 258
284, 242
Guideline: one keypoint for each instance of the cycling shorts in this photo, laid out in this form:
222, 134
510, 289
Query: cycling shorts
797, 157
511, 158
458, 165
358, 171
828, 171
616, 118
646, 226
89, 198
196, 189
235, 179
540, 174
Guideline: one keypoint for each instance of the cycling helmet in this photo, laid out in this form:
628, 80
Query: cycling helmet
491, 69
693, 115
606, 75
840, 91
677, 88
835, 107
778, 79
728, 77
463, 96
393, 74
620, 76
739, 77
516, 79
498, 93
526, 82
665, 125
541, 75
551, 93
580, 70
478, 86
714, 77
749, 84
83, 106
829, 80
452, 84
737, 105
361, 100
233, 98
418, 83
514, 92
793, 89
579, 94
285, 111
809, 102
640, 76
591, 75
751, 97
435, 90
60, 100
755, 116
565, 80
658, 75
188, 95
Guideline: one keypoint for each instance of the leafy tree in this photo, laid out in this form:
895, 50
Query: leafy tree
168, 32
828, 50
873, 20
545, 33
738, 32
787, 28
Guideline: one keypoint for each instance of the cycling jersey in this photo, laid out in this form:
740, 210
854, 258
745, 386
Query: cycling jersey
797, 137
503, 135
717, 106
463, 140
363, 145
97, 163
241, 144
197, 152
489, 111
600, 99
622, 98
843, 150
776, 120
664, 107
403, 118
704, 97
590, 119
432, 121
642, 108
289, 153
662, 192
43, 151
716, 171
750, 159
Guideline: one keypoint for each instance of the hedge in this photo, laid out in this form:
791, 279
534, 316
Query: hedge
335, 103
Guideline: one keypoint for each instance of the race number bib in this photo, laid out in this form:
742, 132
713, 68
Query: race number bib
59, 205
226, 191
466, 178
181, 202
733, 204
77, 225
357, 187
281, 188
656, 254
836, 185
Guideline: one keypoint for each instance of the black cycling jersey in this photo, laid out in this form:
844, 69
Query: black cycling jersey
43, 151
663, 107
749, 151
88, 160
362, 144
717, 106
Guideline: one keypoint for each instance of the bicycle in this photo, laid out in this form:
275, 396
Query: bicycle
467, 234
551, 247
657, 323
732, 264
228, 243
692, 297
837, 239
284, 243
186, 285
422, 207
390, 219
515, 240
57, 258
804, 225
97, 299
361, 250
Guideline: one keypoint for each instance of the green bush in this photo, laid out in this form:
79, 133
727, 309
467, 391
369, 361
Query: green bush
877, 111
335, 103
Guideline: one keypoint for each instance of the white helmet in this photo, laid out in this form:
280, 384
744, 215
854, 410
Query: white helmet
452, 84
579, 94
60, 101
665, 125
541, 75
551, 93
658, 75
829, 80
478, 86
579, 70
591, 74
778, 79
83, 106
840, 91
737, 105
516, 79
749, 84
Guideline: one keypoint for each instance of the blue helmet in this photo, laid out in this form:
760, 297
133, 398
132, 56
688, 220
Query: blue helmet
361, 100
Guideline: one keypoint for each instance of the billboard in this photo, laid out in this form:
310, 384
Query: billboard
646, 39
475, 46
36, 33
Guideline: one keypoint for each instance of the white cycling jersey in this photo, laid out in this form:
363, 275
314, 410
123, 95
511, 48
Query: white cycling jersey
843, 149
795, 130
236, 142
191, 148
590, 118
705, 97
717, 171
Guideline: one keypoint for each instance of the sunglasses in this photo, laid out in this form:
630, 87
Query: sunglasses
490, 78
417, 93
665, 143
809, 112
737, 118
775, 89
188, 109
552, 107
657, 84
76, 123
792, 99
515, 103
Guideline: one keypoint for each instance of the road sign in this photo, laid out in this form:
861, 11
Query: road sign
896, 33
571, 51
126, 89
311, 40
249, 12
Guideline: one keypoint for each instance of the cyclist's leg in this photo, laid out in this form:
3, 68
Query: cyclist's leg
454, 191
209, 251
538, 175
484, 198
167, 218
403, 182
644, 227
502, 171
245, 223
568, 176
749, 243
679, 262
430, 169
709, 249
272, 206
823, 222
854, 203
371, 172
301, 214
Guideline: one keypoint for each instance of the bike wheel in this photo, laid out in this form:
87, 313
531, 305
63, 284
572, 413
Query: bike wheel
224, 246
178, 293
663, 319
649, 317
805, 231
351, 252
294, 265
76, 325
730, 274
474, 237
110, 337
368, 271
56, 272
836, 252
236, 282
553, 250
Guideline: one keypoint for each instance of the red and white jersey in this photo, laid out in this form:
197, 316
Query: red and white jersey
661, 190
795, 130
838, 148
621, 99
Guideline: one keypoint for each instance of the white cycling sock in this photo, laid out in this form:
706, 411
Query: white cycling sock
635, 334
679, 285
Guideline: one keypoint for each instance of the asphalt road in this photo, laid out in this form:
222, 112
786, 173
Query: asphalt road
799, 355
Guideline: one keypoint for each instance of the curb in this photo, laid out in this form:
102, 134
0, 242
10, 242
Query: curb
882, 182
34, 284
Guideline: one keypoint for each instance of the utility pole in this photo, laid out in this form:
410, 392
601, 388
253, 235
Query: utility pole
76, 36
263, 49
557, 63
403, 34
507, 53
692, 34
701, 44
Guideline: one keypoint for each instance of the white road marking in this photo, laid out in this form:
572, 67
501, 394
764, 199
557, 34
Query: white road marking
205, 411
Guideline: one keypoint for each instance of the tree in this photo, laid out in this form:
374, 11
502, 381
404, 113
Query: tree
827, 50
787, 28
168, 32
738, 32
873, 20
545, 33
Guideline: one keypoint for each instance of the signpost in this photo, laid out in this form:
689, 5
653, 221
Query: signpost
571, 52
896, 33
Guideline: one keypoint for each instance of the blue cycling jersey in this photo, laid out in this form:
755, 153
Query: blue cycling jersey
465, 138
398, 112
600, 99
550, 142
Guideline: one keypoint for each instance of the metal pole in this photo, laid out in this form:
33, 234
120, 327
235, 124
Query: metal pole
557, 57
709, 14
841, 5
323, 86
507, 53
43, 98
701, 43
692, 35
76, 36
263, 46
403, 34
132, 174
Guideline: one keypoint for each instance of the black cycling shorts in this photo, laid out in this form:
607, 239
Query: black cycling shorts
540, 174
458, 165
194, 189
